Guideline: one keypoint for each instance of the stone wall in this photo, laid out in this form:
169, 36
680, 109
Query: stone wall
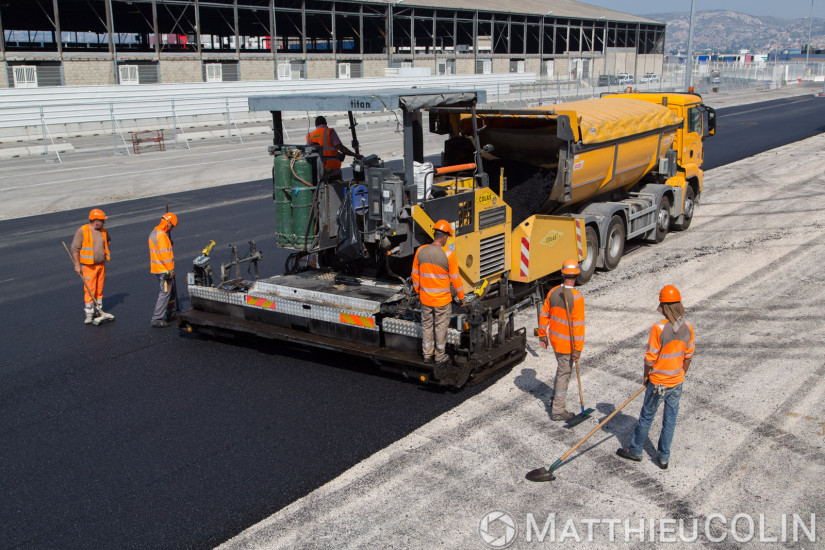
501, 65
88, 72
257, 69
465, 65
321, 68
4, 75
180, 70
533, 65
375, 67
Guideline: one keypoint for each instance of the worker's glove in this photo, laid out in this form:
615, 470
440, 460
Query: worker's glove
166, 275
543, 342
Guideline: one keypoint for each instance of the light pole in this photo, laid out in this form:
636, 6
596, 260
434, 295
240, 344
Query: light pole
689, 60
808, 46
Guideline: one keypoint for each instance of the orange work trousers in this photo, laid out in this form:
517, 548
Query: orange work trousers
94, 275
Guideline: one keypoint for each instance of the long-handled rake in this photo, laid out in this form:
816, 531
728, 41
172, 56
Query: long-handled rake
546, 474
585, 414
99, 318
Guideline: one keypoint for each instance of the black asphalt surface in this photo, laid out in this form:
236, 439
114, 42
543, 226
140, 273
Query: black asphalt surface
126, 436
747, 130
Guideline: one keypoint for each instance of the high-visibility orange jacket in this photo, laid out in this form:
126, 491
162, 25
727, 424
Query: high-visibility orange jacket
86, 255
667, 348
322, 137
553, 320
161, 258
434, 269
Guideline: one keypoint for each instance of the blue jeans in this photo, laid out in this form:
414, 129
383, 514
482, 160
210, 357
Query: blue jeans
649, 408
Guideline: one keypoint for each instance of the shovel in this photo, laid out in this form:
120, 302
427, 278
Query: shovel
546, 474
585, 414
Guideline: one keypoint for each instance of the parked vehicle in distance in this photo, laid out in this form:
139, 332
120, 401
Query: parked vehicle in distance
608, 80
625, 78
649, 77
715, 76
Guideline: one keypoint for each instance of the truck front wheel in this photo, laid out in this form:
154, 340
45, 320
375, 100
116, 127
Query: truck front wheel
588, 265
687, 214
662, 220
614, 246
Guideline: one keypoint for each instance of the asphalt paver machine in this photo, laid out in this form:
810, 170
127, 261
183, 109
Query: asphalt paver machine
346, 288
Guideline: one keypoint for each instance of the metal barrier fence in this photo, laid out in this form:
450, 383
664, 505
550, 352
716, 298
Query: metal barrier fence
46, 125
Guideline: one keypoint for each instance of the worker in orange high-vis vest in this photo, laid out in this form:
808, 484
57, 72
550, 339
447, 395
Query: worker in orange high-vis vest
332, 149
434, 273
162, 264
667, 359
554, 329
90, 251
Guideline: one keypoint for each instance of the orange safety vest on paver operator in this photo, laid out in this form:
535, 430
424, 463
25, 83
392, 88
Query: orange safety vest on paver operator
161, 258
434, 269
666, 352
553, 320
86, 254
321, 136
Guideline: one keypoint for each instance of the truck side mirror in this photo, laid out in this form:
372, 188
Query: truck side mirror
563, 128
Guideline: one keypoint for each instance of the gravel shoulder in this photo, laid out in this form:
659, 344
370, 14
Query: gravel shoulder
750, 438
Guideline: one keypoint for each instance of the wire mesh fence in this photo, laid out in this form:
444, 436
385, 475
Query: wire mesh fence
58, 131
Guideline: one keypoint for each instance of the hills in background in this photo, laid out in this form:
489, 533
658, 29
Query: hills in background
722, 31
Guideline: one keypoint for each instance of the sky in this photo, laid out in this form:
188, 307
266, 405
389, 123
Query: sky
787, 9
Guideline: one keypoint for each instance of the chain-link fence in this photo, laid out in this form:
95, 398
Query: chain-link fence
53, 133
705, 78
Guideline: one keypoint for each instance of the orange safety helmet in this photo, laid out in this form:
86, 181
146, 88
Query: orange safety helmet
171, 218
97, 214
570, 267
444, 226
669, 294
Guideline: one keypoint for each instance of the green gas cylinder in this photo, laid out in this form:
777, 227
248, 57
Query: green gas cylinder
281, 194
303, 227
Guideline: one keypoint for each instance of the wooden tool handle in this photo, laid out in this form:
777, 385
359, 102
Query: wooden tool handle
603, 422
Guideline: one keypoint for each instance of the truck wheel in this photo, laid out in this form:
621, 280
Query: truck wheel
615, 243
588, 264
662, 220
688, 210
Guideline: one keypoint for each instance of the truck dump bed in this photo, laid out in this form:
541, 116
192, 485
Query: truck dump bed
616, 141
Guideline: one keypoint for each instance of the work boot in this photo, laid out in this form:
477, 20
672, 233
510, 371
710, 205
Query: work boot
160, 324
624, 452
90, 317
562, 417
441, 369
662, 465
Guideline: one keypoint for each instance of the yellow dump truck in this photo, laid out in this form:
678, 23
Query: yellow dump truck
627, 165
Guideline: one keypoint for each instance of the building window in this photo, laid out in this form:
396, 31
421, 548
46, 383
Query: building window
445, 67
517, 65
214, 72
284, 70
25, 76
349, 69
128, 75
298, 69
484, 66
